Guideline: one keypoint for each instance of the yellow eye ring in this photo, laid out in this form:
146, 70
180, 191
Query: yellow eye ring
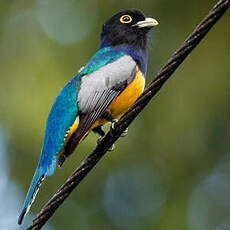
126, 18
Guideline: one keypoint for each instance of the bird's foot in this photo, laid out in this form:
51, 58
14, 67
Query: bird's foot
125, 132
110, 149
112, 127
113, 122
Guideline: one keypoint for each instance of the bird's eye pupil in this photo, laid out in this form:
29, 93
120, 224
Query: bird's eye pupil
126, 19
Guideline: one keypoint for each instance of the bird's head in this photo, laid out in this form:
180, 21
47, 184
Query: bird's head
127, 27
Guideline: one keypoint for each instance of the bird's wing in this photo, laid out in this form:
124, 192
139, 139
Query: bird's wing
97, 90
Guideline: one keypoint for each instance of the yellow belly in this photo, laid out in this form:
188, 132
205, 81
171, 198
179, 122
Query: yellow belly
121, 104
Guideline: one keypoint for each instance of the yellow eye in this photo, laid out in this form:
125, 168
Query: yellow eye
126, 19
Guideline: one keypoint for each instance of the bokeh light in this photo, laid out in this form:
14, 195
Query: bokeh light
133, 197
67, 22
209, 205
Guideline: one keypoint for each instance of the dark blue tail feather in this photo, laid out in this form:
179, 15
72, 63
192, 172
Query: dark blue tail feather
34, 187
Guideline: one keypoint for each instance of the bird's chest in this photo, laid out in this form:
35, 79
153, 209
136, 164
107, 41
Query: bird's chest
121, 104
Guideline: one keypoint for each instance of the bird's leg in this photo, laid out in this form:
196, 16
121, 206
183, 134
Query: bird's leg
106, 116
98, 130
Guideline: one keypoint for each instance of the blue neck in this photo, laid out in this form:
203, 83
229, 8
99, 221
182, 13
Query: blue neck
139, 55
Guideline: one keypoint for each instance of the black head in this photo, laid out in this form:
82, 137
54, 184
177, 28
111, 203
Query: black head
127, 27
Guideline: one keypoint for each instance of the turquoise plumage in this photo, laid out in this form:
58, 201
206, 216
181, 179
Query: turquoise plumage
101, 58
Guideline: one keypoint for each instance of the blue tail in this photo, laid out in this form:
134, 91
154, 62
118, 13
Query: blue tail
39, 176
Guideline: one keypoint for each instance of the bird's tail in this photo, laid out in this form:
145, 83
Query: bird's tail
39, 176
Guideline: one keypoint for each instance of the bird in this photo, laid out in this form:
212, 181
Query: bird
100, 92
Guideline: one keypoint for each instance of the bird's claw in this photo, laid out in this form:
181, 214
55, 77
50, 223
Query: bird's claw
125, 132
111, 148
113, 122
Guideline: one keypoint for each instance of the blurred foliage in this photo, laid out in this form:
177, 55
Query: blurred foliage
177, 151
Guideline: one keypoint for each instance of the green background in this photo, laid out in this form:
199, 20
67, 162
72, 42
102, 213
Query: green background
172, 171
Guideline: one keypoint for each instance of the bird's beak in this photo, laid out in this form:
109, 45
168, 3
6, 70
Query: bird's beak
148, 22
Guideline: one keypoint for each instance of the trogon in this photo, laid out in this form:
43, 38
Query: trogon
100, 92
